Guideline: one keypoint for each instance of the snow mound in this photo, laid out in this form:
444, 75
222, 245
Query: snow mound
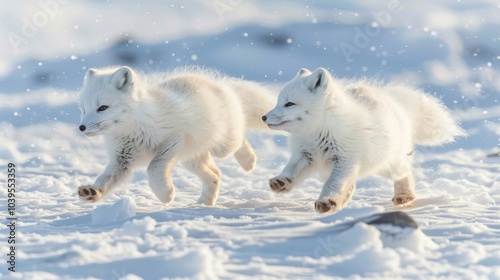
411, 239
119, 211
138, 227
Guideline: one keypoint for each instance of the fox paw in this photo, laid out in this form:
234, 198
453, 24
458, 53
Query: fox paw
248, 164
325, 205
90, 194
278, 184
208, 200
403, 198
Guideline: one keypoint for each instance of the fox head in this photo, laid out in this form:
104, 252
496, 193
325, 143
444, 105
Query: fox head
301, 102
105, 100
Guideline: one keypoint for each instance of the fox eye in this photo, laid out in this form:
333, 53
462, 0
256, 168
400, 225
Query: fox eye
289, 104
102, 108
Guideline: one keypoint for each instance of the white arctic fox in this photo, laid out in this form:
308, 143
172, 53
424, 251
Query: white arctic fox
349, 130
188, 115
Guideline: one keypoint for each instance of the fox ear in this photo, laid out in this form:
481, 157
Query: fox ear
123, 79
91, 72
303, 72
317, 79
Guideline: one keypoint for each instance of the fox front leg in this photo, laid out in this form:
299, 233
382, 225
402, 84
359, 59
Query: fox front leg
338, 188
116, 172
296, 170
159, 169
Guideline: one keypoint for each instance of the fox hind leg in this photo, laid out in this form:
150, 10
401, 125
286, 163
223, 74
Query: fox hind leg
246, 156
204, 167
404, 190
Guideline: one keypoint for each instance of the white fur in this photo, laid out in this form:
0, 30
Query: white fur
188, 115
347, 130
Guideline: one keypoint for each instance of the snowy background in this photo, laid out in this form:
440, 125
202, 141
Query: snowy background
448, 48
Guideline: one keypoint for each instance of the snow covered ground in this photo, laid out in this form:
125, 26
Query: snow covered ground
449, 48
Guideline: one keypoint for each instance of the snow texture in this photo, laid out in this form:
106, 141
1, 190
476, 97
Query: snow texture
450, 49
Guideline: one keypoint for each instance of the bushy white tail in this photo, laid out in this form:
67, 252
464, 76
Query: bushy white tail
256, 101
432, 122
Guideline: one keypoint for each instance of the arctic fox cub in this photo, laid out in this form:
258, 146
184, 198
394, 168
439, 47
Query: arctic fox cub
349, 130
163, 118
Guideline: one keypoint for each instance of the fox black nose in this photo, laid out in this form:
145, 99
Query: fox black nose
82, 128
264, 118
